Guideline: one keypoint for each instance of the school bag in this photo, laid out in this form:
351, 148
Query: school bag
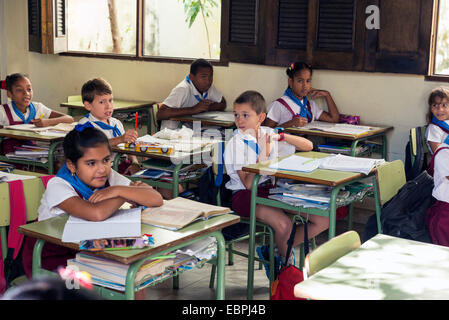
403, 215
420, 163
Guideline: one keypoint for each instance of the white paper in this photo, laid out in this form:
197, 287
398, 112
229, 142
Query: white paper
297, 163
215, 115
343, 128
5, 177
351, 164
123, 223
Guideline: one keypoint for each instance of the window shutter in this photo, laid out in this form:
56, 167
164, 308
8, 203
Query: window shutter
240, 31
34, 26
58, 27
292, 24
402, 43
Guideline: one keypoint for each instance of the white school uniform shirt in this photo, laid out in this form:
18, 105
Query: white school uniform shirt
40, 109
238, 154
435, 134
280, 114
108, 133
59, 190
441, 171
183, 96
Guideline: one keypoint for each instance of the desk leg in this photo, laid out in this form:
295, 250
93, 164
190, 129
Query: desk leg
252, 231
221, 261
333, 211
51, 152
116, 162
176, 180
384, 147
37, 257
377, 203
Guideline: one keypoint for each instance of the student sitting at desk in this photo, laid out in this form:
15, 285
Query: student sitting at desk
97, 99
437, 118
21, 109
194, 94
253, 143
293, 109
86, 187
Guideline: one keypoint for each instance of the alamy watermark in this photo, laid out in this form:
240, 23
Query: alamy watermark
373, 20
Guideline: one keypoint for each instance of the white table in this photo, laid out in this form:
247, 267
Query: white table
383, 268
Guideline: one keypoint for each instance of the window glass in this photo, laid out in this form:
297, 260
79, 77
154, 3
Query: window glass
442, 43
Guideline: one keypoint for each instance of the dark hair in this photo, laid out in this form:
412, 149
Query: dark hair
13, 78
254, 99
76, 142
440, 92
297, 66
97, 86
49, 288
200, 63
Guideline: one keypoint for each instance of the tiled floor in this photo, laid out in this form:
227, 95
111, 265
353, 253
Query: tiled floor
194, 284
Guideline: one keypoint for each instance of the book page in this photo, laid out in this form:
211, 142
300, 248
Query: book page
297, 163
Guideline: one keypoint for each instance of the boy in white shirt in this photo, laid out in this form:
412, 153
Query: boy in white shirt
254, 143
194, 94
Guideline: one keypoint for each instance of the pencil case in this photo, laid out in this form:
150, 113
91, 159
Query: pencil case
145, 240
350, 119
149, 148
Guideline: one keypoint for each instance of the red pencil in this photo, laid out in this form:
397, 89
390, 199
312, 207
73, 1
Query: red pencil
135, 125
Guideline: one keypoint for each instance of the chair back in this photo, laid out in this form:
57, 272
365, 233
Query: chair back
390, 178
74, 98
155, 124
331, 251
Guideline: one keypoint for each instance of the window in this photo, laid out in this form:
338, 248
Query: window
441, 53
136, 28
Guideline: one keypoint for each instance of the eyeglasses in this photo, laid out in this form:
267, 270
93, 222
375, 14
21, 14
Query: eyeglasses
437, 105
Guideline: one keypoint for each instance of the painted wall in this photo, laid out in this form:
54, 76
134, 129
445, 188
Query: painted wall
379, 98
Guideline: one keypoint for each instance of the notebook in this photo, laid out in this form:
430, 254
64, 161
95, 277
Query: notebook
296, 163
176, 213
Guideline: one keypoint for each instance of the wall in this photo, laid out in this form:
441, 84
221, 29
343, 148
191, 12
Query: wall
379, 98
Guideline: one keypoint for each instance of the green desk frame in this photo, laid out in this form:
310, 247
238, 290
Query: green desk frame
166, 241
29, 135
336, 179
76, 107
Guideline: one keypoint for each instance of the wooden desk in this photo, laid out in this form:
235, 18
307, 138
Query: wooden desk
178, 158
355, 138
120, 106
336, 179
28, 135
219, 121
383, 268
165, 241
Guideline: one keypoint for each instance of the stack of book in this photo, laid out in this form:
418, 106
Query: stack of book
30, 152
342, 149
163, 170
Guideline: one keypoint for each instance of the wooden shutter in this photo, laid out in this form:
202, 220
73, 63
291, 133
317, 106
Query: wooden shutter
240, 31
402, 43
47, 26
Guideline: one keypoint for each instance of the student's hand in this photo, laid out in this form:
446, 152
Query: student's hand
104, 194
133, 168
140, 184
315, 93
299, 121
203, 105
40, 122
129, 136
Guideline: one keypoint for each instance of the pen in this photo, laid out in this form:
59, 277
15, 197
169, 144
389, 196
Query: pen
135, 125
310, 160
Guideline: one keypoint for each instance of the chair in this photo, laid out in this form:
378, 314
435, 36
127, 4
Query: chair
33, 190
330, 251
266, 229
390, 178
155, 124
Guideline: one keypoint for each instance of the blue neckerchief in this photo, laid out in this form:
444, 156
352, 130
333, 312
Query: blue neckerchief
81, 127
199, 98
446, 141
219, 178
19, 113
304, 112
76, 183
442, 124
253, 145
115, 131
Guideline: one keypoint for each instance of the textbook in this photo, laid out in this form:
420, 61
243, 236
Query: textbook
123, 223
297, 163
176, 213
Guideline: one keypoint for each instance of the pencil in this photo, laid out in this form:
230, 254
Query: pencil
135, 125
42, 115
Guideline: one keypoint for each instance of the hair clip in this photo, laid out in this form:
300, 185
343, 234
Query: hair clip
3, 84
81, 277
292, 66
81, 127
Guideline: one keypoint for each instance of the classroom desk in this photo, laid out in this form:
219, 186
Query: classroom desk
165, 241
383, 268
120, 106
355, 138
28, 135
336, 179
223, 122
178, 158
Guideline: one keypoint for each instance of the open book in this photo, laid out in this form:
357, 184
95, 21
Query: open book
176, 213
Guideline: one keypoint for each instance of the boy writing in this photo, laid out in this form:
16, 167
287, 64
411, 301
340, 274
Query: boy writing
195, 94
254, 143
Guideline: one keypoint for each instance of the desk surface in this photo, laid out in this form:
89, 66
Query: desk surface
28, 135
383, 268
210, 121
51, 231
320, 176
345, 136
118, 104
